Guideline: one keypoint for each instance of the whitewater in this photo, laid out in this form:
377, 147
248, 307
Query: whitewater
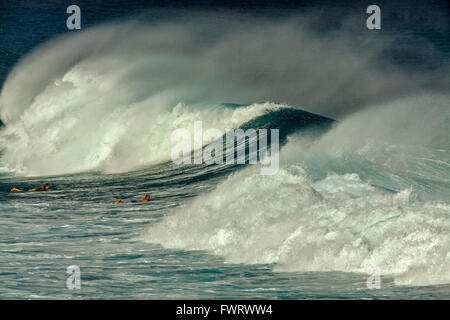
329, 209
368, 190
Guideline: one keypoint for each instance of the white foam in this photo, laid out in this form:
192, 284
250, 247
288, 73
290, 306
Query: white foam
339, 223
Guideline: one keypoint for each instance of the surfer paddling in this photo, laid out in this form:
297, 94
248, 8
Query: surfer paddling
44, 187
145, 199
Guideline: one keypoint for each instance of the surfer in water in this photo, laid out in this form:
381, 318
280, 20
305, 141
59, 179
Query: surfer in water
145, 199
45, 187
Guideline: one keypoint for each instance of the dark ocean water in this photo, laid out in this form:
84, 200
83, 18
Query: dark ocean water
371, 190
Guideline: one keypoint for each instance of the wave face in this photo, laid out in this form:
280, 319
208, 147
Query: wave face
372, 192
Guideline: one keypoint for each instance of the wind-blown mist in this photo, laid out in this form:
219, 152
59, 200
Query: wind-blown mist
107, 98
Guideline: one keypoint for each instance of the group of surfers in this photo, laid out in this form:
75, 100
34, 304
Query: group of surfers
46, 187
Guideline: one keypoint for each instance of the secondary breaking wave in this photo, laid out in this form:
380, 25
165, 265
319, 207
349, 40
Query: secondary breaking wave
340, 223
